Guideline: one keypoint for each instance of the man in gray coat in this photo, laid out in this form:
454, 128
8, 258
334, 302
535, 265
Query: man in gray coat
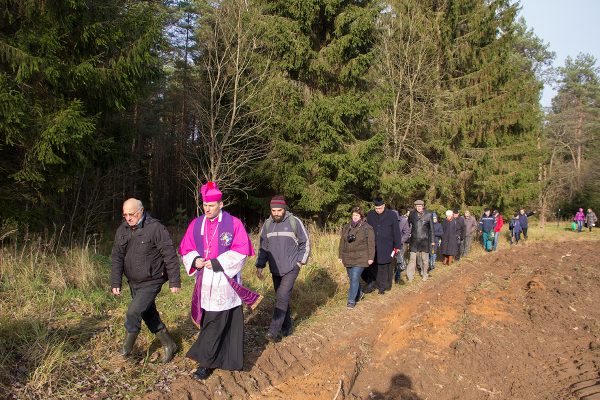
285, 246
470, 231
404, 236
421, 239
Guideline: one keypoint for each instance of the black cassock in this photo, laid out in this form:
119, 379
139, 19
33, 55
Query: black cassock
220, 343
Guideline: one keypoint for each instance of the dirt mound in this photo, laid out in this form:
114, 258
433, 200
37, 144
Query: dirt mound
522, 323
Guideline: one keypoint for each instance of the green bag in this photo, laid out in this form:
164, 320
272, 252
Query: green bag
573, 226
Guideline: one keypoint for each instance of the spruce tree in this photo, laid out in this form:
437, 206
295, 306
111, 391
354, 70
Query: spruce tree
66, 67
323, 154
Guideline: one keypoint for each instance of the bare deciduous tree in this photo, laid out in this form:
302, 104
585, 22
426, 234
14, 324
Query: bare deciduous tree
229, 135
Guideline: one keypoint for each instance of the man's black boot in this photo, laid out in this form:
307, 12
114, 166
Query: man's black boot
169, 346
202, 373
128, 344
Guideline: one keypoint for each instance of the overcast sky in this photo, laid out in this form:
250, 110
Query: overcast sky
569, 26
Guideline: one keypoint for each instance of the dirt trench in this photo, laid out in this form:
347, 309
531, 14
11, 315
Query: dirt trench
521, 323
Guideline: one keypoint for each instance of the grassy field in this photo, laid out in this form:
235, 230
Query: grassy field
60, 329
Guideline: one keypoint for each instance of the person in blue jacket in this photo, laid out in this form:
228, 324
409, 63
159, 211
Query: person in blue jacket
524, 221
487, 222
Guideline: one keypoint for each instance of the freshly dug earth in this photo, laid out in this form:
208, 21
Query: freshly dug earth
521, 323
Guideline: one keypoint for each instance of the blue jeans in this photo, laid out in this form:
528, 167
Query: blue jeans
496, 237
579, 226
354, 291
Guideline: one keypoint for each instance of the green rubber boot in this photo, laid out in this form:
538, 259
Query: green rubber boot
128, 344
169, 346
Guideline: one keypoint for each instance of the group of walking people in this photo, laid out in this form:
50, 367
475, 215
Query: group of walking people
216, 246
373, 247
582, 218
214, 251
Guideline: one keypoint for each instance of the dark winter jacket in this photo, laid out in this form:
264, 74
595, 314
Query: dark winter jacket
282, 245
453, 230
524, 219
463, 226
438, 231
145, 255
404, 228
357, 245
387, 234
487, 223
515, 225
421, 233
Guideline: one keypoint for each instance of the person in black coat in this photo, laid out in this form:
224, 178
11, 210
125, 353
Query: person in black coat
387, 239
421, 239
404, 236
453, 231
438, 232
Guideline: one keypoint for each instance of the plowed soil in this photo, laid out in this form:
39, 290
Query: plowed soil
521, 323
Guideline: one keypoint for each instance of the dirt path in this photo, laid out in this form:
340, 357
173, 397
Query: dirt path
523, 323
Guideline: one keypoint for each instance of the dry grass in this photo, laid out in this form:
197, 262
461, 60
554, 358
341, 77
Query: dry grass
60, 329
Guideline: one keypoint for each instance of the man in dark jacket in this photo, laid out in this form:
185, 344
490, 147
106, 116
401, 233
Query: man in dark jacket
387, 239
404, 236
144, 253
524, 220
421, 239
285, 246
461, 239
487, 222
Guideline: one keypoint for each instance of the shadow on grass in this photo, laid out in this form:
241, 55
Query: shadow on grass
32, 345
400, 389
308, 295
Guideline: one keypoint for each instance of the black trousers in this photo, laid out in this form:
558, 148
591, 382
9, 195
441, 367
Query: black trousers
369, 275
524, 230
385, 276
220, 343
143, 307
283, 285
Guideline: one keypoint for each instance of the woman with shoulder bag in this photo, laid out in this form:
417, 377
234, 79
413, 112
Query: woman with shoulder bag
356, 251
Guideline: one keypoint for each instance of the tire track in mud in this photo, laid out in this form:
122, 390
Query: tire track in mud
487, 328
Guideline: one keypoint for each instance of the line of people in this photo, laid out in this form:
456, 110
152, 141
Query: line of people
216, 247
214, 251
372, 247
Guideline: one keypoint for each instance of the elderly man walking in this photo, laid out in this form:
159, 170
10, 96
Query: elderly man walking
421, 239
144, 253
387, 239
214, 249
470, 231
284, 244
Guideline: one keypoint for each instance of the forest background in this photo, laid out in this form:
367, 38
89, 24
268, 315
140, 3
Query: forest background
328, 102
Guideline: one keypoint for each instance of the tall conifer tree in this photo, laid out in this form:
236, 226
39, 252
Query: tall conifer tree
322, 148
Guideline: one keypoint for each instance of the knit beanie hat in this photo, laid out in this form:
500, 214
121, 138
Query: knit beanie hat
278, 202
210, 192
